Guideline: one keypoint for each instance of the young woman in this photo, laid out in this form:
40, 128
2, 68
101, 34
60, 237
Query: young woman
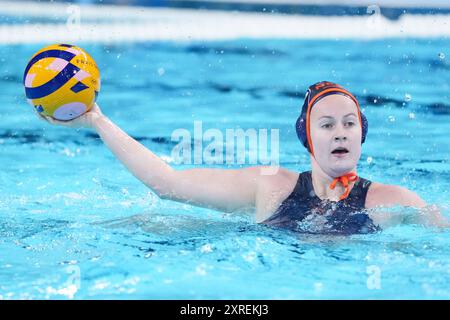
330, 198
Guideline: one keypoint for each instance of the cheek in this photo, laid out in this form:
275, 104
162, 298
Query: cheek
356, 138
320, 140
356, 149
356, 131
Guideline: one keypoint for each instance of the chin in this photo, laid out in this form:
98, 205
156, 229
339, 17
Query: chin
342, 167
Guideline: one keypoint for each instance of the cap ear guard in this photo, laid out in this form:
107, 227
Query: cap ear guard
300, 127
365, 127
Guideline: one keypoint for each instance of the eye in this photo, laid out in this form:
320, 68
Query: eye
350, 123
327, 125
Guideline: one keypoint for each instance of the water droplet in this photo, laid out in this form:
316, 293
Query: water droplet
411, 115
161, 71
391, 119
441, 55
407, 97
206, 248
369, 160
201, 270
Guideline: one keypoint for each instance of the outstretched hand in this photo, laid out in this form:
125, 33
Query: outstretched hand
86, 120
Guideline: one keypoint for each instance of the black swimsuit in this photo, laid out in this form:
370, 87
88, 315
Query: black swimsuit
303, 211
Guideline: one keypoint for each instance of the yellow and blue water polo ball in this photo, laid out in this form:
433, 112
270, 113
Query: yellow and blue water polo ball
62, 81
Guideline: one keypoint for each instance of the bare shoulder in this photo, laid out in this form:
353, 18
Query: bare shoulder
281, 178
272, 190
391, 195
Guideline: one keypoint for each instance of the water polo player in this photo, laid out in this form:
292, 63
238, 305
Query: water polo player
330, 198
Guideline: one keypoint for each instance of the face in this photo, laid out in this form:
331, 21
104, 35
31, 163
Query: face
336, 134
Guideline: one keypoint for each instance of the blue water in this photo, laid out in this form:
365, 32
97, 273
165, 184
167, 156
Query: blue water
74, 223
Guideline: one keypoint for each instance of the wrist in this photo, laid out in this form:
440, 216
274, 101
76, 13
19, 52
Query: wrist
95, 119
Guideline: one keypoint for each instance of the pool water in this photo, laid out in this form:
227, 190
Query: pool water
74, 223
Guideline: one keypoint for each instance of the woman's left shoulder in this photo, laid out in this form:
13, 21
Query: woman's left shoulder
390, 195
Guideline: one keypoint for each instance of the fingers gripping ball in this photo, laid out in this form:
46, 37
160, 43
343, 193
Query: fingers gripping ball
62, 81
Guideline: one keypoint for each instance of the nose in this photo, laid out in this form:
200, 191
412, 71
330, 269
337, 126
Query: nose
339, 138
340, 134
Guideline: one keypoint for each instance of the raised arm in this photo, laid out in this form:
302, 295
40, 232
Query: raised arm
220, 189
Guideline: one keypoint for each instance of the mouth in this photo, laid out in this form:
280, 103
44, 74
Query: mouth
340, 151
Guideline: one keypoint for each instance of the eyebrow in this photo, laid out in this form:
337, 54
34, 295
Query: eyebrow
348, 114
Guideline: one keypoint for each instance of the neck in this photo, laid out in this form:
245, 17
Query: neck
321, 182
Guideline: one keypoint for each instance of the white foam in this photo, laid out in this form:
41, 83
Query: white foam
110, 24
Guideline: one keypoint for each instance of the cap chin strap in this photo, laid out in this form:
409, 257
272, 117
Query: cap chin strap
344, 180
